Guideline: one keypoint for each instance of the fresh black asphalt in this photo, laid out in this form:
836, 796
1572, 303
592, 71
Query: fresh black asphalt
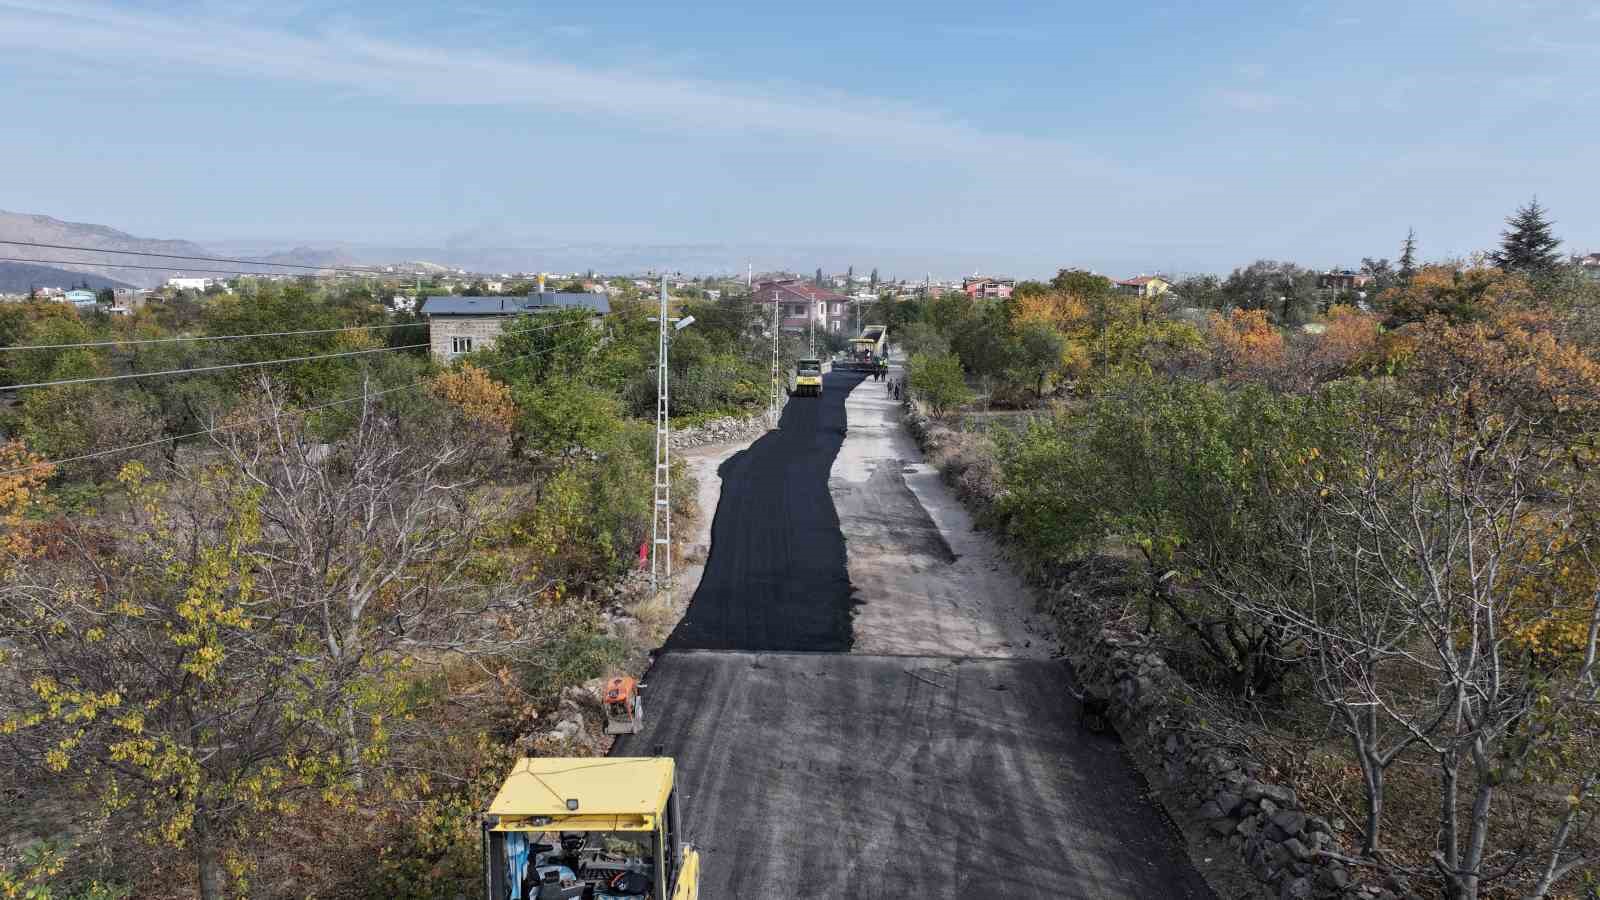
775, 578
897, 777
807, 771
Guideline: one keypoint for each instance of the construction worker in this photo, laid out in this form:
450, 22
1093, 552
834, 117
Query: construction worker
883, 368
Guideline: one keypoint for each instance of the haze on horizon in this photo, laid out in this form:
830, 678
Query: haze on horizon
1016, 136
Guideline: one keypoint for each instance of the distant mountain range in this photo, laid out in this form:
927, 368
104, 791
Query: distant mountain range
46, 230
542, 256
20, 278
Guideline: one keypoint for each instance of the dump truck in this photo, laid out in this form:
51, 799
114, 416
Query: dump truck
808, 378
869, 348
590, 828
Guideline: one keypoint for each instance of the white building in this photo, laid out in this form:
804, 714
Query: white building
190, 284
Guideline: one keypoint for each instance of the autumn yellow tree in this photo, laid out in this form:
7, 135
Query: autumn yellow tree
151, 675
1350, 343
482, 400
23, 476
1458, 295
1244, 344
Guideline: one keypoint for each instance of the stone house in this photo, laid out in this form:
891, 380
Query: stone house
461, 325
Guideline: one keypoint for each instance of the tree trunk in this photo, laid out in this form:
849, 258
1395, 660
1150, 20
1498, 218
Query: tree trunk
207, 860
1449, 848
1372, 770
352, 747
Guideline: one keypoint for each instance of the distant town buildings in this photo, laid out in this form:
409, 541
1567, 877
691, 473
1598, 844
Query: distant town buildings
1590, 265
461, 325
981, 288
1144, 285
1343, 280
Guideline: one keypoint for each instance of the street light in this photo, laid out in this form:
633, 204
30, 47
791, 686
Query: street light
661, 520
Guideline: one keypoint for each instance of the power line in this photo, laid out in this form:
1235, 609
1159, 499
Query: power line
371, 270
365, 395
197, 369
209, 337
240, 337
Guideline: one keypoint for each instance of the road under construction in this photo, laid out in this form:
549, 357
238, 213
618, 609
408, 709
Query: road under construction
861, 704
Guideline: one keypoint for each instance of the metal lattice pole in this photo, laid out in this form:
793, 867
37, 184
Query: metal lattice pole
813, 353
661, 524
775, 385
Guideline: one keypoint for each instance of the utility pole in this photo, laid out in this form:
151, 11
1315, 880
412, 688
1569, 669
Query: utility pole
775, 373
661, 522
813, 354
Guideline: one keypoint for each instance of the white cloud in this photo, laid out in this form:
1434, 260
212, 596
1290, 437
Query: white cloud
352, 60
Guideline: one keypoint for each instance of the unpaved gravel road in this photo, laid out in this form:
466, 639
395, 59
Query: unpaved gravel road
942, 757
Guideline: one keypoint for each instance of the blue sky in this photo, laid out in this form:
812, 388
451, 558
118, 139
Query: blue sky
1023, 136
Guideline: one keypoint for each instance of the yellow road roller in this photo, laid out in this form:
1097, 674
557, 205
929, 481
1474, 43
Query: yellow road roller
565, 828
808, 378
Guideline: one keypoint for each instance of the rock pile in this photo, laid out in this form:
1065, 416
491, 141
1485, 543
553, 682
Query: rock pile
576, 725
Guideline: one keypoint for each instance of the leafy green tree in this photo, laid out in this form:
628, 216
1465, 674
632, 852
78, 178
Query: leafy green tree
562, 415
1381, 271
1527, 245
1025, 289
1081, 283
1201, 291
938, 381
921, 338
983, 340
1287, 291
534, 347
948, 313
1041, 353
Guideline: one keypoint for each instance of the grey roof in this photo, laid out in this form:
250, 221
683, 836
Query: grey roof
516, 306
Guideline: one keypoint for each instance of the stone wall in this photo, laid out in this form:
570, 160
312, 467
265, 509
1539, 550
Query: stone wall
1208, 783
722, 431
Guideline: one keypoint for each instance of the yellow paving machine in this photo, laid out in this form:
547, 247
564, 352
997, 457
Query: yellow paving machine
808, 378
588, 829
867, 350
